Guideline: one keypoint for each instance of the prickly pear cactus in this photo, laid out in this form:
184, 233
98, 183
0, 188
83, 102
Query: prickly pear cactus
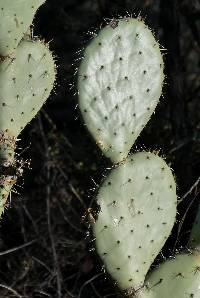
137, 211
176, 278
120, 82
15, 18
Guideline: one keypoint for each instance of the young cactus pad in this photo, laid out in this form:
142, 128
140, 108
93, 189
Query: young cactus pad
120, 82
26, 80
16, 16
137, 211
177, 278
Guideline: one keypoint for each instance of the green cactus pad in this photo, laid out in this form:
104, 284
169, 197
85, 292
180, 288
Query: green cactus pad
178, 278
16, 16
26, 80
137, 211
120, 82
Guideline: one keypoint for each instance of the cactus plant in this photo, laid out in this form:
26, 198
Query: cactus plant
137, 201
27, 77
137, 211
119, 82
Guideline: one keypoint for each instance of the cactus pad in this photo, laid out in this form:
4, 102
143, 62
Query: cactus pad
178, 278
137, 204
120, 83
26, 80
16, 16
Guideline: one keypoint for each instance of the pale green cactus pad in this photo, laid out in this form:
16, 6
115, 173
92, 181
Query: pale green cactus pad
16, 16
178, 278
120, 82
26, 80
137, 211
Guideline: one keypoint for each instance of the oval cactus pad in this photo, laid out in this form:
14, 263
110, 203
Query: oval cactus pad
120, 83
137, 204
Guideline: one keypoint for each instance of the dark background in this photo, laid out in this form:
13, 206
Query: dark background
49, 206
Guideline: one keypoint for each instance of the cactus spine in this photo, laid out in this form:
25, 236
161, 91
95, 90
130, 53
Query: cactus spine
120, 82
27, 75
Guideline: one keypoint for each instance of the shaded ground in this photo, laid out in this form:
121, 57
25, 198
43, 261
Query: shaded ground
48, 213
